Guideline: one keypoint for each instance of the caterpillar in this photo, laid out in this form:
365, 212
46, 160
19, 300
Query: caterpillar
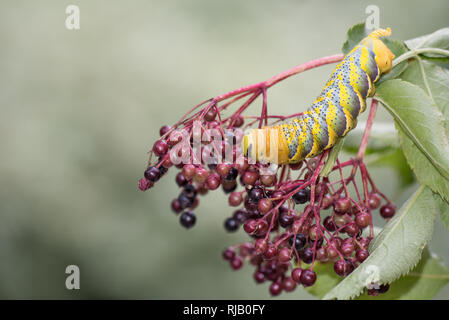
332, 115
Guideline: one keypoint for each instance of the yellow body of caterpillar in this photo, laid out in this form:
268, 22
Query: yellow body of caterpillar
333, 114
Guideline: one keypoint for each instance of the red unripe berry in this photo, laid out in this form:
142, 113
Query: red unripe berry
262, 227
238, 122
259, 277
271, 252
288, 284
160, 148
264, 206
361, 255
261, 246
342, 205
210, 114
347, 249
296, 275
363, 243
235, 199
343, 267
236, 263
250, 226
331, 252
249, 177
387, 210
321, 254
213, 181
327, 201
268, 180
362, 219
275, 288
163, 130
352, 229
223, 169
285, 255
308, 277
188, 171
228, 254
374, 201
176, 206
201, 175
340, 220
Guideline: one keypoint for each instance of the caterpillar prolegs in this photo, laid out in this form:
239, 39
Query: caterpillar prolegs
333, 114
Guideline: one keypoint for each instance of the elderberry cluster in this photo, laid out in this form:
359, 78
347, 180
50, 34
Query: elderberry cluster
293, 217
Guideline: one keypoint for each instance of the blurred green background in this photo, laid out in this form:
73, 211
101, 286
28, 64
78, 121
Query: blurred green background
80, 109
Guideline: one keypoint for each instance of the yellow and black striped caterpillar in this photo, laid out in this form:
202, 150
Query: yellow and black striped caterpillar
333, 114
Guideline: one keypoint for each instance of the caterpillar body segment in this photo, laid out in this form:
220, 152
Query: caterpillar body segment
334, 112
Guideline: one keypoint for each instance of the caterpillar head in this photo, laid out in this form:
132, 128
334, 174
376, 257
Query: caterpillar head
384, 56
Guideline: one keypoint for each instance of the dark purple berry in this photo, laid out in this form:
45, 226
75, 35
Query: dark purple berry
306, 255
240, 215
188, 219
231, 224
229, 186
302, 196
299, 242
181, 180
185, 201
329, 224
152, 173
255, 194
286, 219
232, 175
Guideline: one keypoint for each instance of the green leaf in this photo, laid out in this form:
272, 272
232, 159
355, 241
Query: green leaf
437, 80
327, 168
438, 39
396, 249
420, 119
354, 35
442, 62
424, 171
423, 282
443, 209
